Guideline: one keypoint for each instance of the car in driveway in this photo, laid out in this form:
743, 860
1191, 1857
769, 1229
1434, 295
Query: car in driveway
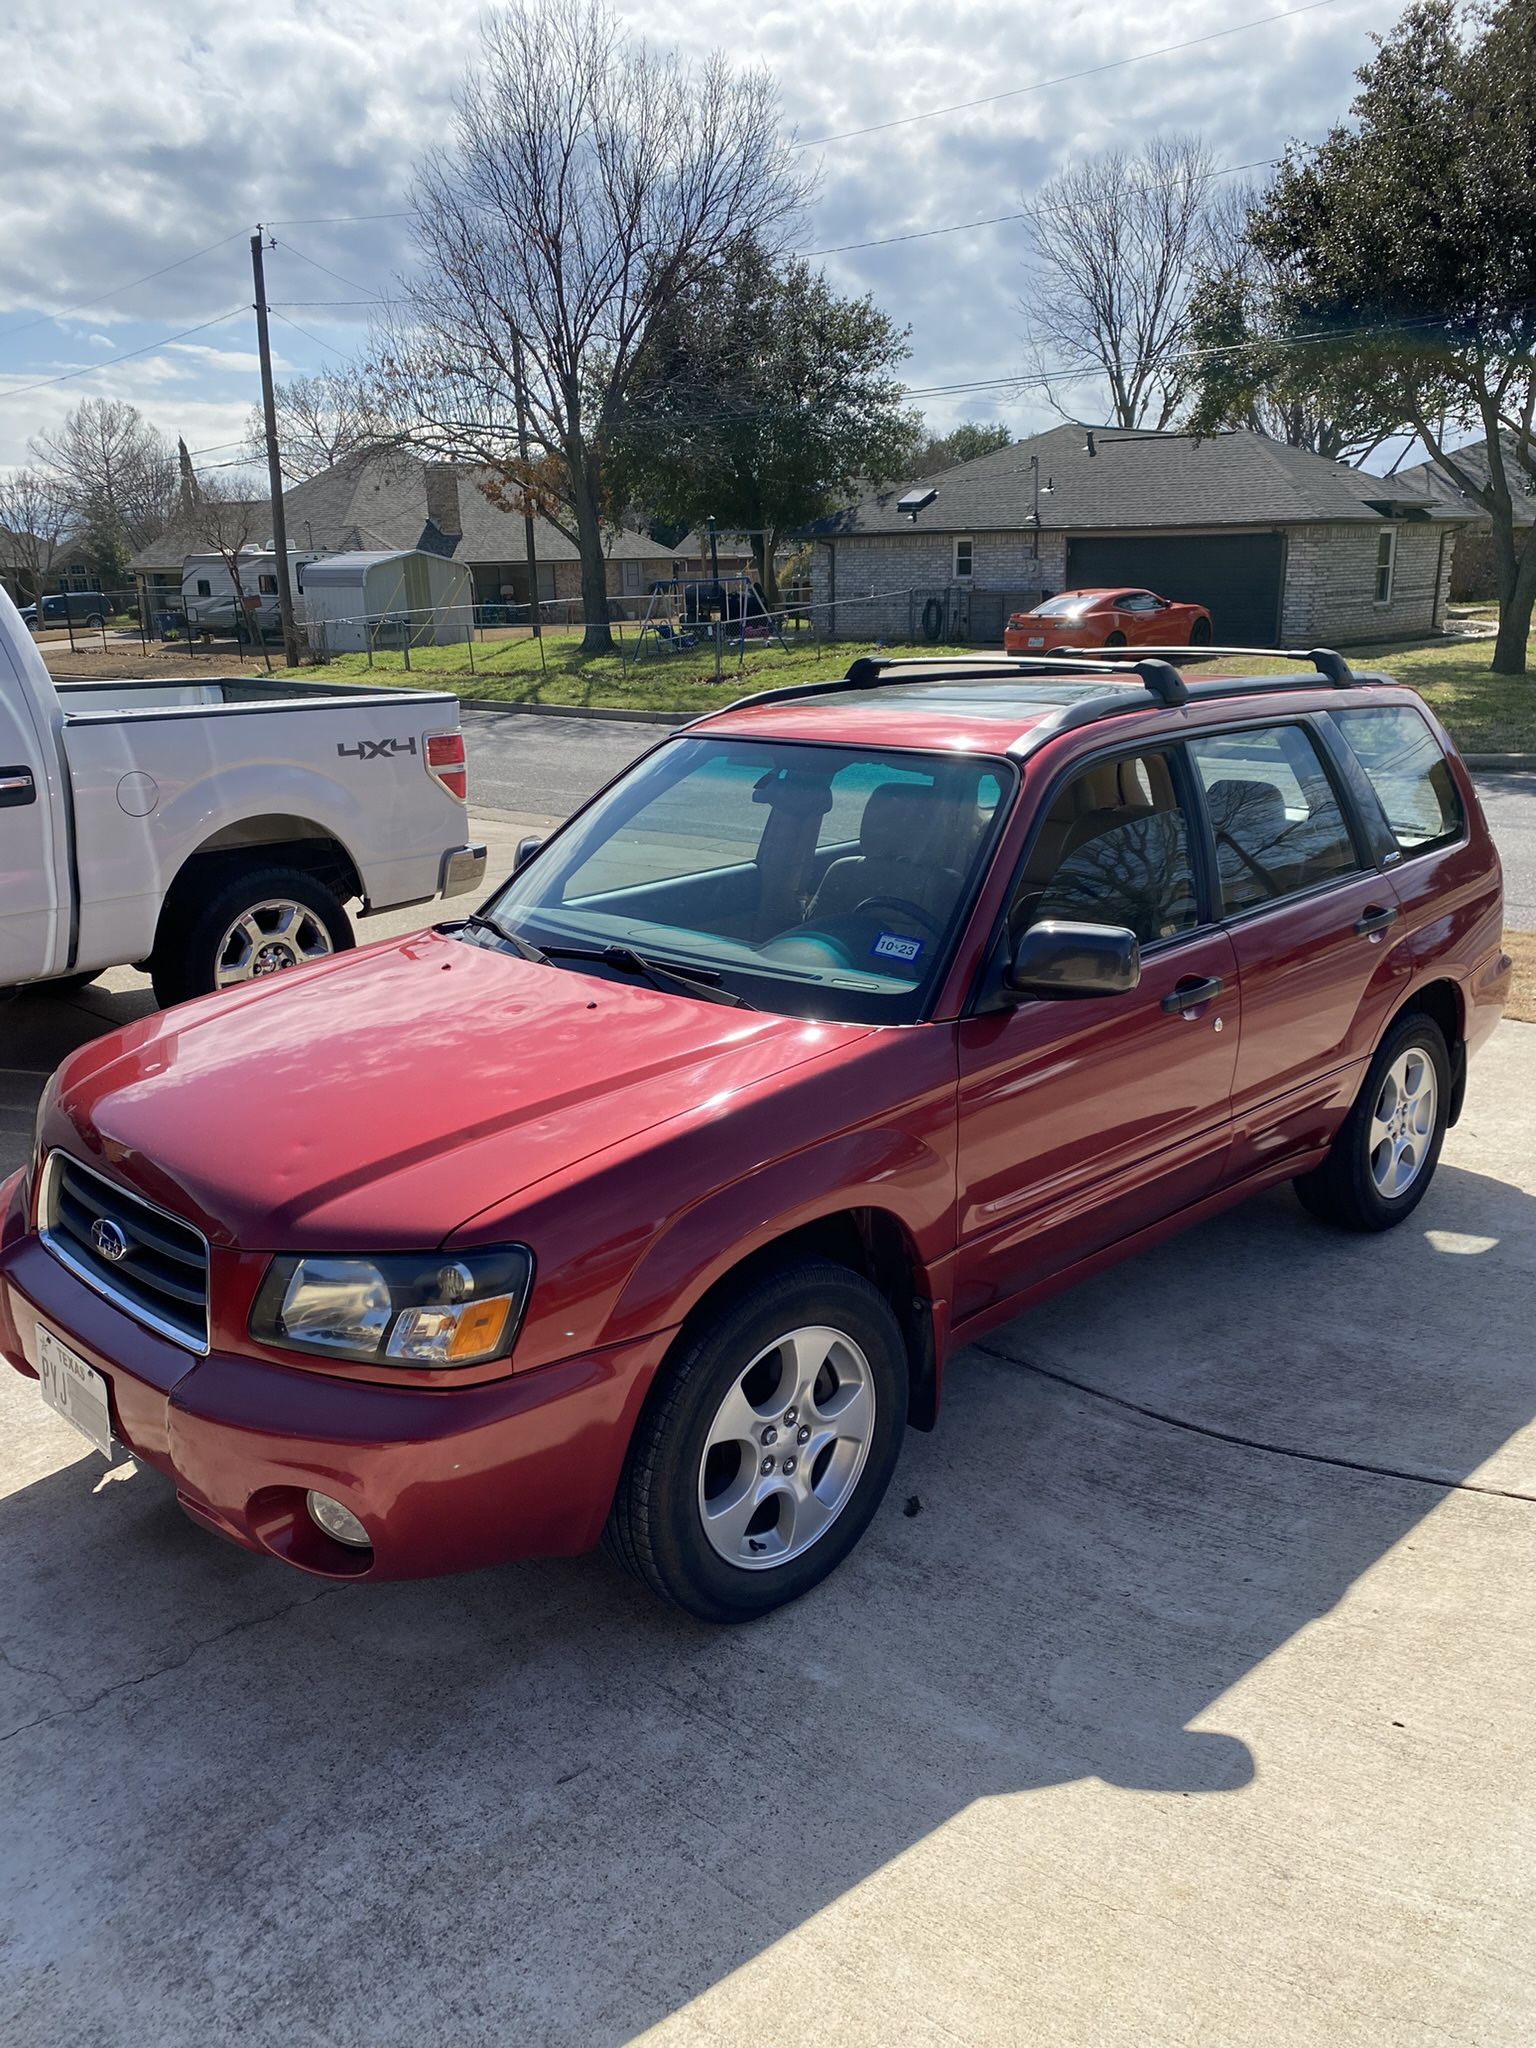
1106, 618
648, 1202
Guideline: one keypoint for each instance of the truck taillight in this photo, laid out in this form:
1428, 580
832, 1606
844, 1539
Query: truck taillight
446, 764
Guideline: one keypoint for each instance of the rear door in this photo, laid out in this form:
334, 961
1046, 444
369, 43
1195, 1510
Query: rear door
1311, 919
1083, 1120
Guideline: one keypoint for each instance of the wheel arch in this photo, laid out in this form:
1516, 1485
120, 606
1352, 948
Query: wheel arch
272, 836
1444, 1002
878, 1245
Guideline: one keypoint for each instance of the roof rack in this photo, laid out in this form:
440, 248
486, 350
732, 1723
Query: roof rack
1160, 679
1323, 659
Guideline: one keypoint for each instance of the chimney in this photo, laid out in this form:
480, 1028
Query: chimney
442, 481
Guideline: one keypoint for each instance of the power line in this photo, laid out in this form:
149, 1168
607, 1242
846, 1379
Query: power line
1067, 77
341, 352
149, 275
315, 264
91, 369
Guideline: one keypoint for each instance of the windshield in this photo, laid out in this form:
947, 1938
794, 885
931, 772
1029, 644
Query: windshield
817, 881
1063, 607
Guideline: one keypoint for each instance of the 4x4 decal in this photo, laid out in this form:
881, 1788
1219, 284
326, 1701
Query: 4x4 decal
377, 750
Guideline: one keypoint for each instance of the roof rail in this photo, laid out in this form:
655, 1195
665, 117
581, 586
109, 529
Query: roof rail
867, 671
1324, 660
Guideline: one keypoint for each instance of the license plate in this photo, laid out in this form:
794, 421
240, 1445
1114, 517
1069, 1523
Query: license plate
1037, 639
74, 1390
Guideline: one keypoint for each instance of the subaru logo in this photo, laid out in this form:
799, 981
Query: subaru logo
109, 1239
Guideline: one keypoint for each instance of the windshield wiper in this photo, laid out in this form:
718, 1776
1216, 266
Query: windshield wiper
522, 947
686, 981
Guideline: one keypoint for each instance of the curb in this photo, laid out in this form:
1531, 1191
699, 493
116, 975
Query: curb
1497, 762
611, 713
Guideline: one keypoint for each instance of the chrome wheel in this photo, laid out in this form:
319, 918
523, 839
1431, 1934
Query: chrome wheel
786, 1448
268, 938
1403, 1122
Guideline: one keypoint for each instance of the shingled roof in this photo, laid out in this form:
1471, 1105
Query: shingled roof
1134, 479
1448, 501
398, 501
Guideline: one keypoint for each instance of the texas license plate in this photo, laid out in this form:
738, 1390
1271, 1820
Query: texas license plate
1037, 639
74, 1390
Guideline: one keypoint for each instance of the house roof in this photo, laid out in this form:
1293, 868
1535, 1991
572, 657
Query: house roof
1133, 480
1447, 498
382, 502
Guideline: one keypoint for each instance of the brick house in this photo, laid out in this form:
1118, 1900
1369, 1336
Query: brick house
1282, 546
1474, 574
399, 502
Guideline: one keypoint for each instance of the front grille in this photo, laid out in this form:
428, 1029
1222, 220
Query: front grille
161, 1275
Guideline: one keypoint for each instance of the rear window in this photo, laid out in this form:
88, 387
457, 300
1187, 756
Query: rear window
1408, 772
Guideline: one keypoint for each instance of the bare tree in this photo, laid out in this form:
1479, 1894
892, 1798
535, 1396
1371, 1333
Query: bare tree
591, 180
320, 421
231, 526
1116, 244
118, 475
33, 513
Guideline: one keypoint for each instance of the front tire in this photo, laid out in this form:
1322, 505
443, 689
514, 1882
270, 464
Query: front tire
1388, 1147
1200, 633
766, 1446
261, 921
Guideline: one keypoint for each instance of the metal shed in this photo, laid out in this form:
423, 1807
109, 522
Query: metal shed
403, 597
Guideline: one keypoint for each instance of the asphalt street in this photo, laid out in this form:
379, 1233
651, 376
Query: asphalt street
544, 767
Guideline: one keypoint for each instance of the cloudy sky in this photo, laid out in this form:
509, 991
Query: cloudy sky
149, 136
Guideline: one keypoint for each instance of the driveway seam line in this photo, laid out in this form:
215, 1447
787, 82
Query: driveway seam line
1248, 1443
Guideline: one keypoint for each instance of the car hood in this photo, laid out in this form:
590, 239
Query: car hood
384, 1097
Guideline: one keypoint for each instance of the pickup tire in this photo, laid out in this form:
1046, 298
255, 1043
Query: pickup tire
257, 919
765, 1446
1384, 1157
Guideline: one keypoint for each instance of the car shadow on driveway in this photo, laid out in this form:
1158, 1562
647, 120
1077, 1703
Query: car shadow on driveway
533, 1807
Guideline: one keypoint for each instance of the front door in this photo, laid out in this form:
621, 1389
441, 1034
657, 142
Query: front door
1084, 1120
29, 879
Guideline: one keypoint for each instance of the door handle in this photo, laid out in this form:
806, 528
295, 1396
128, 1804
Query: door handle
17, 787
1192, 991
1375, 918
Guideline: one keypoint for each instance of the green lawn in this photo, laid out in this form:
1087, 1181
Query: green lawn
1484, 713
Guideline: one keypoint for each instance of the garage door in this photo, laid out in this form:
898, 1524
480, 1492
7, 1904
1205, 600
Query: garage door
1236, 576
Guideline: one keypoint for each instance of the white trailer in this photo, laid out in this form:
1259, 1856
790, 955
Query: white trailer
208, 589
406, 597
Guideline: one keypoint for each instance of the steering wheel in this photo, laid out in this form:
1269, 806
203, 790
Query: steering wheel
904, 904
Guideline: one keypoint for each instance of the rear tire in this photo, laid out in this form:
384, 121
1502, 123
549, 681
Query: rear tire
258, 921
766, 1445
1387, 1149
1114, 639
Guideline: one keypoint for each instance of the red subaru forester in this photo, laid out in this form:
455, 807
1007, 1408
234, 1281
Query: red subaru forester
650, 1200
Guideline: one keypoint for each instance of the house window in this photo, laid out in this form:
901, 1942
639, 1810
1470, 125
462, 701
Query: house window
204, 587
965, 560
1386, 563
631, 582
267, 585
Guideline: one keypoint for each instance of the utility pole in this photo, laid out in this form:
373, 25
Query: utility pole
522, 450
274, 466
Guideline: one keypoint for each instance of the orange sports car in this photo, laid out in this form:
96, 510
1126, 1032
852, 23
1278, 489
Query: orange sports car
1107, 618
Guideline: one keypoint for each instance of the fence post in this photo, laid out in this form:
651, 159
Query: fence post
405, 645
469, 638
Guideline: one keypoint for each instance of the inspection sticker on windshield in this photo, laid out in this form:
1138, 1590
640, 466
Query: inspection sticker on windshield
892, 946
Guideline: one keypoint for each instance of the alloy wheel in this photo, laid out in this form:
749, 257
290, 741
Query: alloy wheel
267, 939
1403, 1122
786, 1447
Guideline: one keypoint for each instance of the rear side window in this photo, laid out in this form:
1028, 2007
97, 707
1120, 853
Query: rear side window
1276, 821
1408, 772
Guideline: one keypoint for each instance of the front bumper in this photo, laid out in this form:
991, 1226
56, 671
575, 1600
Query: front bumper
443, 1481
463, 869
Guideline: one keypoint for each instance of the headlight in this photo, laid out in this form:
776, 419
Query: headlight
428, 1309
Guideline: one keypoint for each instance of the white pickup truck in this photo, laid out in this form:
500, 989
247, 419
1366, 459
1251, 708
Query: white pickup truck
210, 831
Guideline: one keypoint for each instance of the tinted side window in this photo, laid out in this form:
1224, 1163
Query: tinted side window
1114, 848
1408, 772
1276, 820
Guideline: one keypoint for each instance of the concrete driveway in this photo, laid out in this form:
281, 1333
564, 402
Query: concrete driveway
1180, 1694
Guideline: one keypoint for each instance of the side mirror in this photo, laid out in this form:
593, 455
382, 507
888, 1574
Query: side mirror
526, 849
1057, 958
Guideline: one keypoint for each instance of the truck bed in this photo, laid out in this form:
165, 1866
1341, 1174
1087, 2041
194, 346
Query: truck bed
97, 700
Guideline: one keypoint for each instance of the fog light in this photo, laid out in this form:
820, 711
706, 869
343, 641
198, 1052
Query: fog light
337, 1521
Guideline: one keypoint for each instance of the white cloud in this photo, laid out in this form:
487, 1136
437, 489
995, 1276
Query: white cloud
167, 131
